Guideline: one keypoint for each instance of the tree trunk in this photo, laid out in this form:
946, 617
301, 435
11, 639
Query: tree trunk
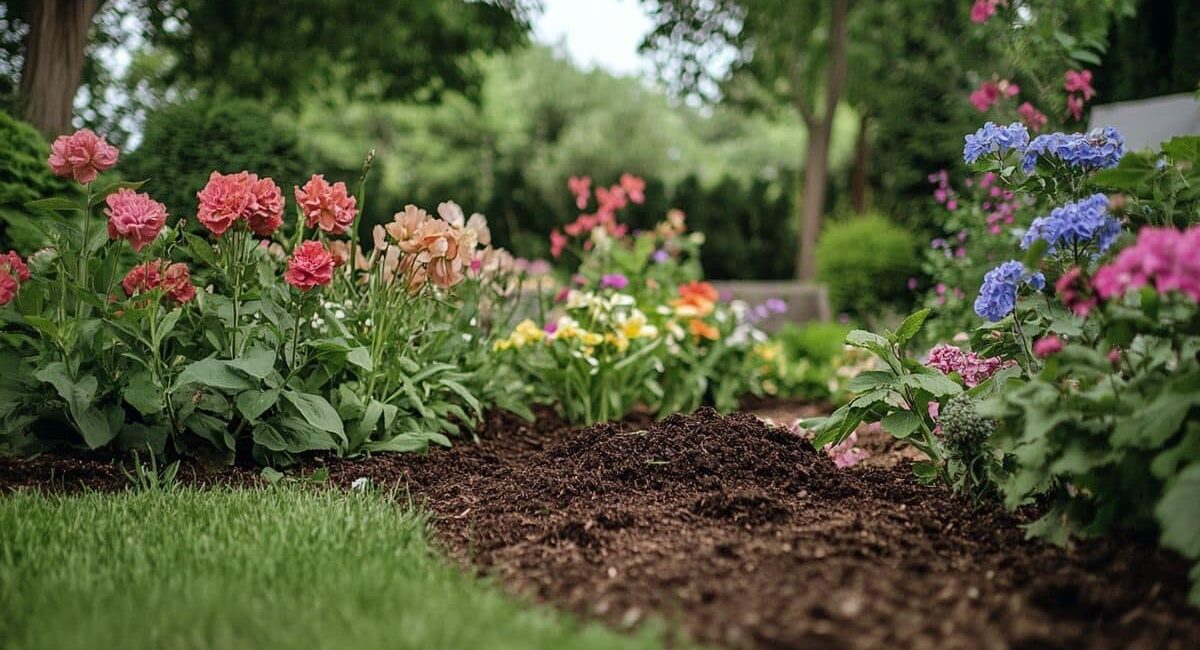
816, 180
820, 130
54, 55
862, 162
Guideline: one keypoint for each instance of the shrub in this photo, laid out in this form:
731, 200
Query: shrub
866, 262
24, 177
817, 342
184, 142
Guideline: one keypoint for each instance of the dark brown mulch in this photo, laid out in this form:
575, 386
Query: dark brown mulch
747, 537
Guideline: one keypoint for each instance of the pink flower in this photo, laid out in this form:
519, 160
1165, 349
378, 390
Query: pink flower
971, 367
311, 265
1114, 356
1048, 345
265, 212
912, 284
558, 242
173, 279
8, 287
12, 263
610, 199
83, 155
1080, 82
134, 216
1032, 117
984, 9
1073, 290
1165, 257
325, 206
224, 199
581, 188
845, 453
990, 92
635, 188
1075, 106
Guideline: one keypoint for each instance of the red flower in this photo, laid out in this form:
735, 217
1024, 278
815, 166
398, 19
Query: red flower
174, 279
265, 212
311, 265
325, 206
12, 263
581, 188
225, 199
134, 216
83, 155
558, 242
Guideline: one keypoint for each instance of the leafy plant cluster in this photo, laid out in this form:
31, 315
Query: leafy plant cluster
1080, 393
221, 344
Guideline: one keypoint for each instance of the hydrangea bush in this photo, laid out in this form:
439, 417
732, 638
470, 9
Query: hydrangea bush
1080, 390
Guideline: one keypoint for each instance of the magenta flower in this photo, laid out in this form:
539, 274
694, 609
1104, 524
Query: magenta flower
1166, 258
614, 281
1048, 345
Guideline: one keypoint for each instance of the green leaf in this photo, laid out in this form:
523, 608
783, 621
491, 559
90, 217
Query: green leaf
253, 403
1037, 250
870, 379
465, 394
1178, 512
360, 357
56, 204
271, 475
925, 470
911, 326
212, 373
316, 411
143, 395
938, 385
256, 362
166, 325
901, 424
867, 340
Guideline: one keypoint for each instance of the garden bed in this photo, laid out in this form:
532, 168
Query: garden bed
747, 537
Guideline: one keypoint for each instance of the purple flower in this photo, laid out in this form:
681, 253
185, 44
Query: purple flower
660, 256
995, 139
776, 305
614, 281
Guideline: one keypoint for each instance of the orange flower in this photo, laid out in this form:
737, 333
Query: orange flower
703, 330
696, 299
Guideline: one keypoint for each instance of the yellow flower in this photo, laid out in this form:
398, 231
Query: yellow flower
529, 330
617, 340
501, 345
768, 351
590, 339
635, 327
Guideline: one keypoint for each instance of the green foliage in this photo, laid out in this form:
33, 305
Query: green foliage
24, 177
866, 263
183, 143
320, 569
1160, 189
816, 341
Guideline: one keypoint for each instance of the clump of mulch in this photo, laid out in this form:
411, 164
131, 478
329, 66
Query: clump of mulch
744, 536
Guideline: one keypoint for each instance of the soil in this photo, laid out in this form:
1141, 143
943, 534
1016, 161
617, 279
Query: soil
744, 536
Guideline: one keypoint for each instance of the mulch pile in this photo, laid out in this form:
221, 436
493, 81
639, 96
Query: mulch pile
745, 536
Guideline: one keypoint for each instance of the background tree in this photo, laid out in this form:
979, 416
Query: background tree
265, 50
792, 52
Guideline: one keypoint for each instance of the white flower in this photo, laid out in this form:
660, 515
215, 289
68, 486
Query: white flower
360, 483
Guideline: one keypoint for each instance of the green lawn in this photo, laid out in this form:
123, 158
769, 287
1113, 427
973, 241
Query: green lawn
276, 568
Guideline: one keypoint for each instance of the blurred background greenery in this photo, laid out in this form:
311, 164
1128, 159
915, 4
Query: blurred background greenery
765, 115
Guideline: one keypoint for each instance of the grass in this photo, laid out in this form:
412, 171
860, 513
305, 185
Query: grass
277, 568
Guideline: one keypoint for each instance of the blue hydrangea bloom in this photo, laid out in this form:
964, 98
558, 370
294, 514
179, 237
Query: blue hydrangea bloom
995, 139
998, 295
1076, 224
1098, 149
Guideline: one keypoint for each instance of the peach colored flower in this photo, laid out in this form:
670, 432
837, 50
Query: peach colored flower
476, 227
340, 250
404, 226
225, 199
134, 216
83, 155
325, 206
310, 266
702, 330
264, 214
696, 299
439, 252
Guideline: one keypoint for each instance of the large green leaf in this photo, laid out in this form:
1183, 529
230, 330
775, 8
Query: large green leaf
1178, 512
256, 362
143, 395
901, 424
937, 385
213, 373
911, 326
316, 411
253, 403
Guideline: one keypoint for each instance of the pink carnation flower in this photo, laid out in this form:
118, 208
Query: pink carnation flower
325, 206
265, 212
8, 287
12, 263
225, 199
174, 279
83, 155
134, 216
311, 265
